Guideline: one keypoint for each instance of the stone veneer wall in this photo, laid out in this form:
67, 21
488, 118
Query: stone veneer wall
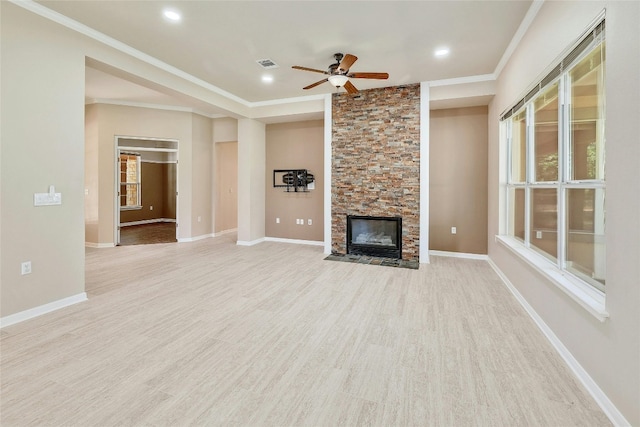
376, 161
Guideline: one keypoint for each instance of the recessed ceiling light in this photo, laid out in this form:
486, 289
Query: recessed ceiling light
171, 15
267, 79
441, 52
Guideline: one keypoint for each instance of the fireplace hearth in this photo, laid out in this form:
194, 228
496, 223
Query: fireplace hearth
374, 236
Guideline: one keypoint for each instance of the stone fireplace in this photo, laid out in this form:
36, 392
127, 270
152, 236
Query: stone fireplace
375, 163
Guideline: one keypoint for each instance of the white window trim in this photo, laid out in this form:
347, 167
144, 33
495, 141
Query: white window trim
582, 292
138, 182
590, 298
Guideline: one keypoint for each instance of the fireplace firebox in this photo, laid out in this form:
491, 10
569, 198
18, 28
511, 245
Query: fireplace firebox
374, 236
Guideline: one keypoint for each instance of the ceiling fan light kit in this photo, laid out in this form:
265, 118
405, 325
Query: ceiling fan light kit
339, 74
338, 80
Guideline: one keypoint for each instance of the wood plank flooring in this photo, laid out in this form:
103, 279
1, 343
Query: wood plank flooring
145, 234
210, 333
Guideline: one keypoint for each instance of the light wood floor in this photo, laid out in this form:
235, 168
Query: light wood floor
209, 333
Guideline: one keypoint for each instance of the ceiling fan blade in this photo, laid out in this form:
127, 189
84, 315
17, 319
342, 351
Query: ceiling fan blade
316, 84
350, 88
347, 62
380, 76
297, 67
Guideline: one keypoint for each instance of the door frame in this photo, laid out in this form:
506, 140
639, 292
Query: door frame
128, 148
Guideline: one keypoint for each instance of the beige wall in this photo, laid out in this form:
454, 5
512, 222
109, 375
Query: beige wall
251, 181
609, 351
226, 170
115, 120
202, 178
225, 129
225, 161
458, 180
42, 133
194, 181
91, 181
298, 145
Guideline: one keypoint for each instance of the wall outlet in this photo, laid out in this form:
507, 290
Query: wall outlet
26, 267
309, 222
199, 218
277, 220
150, 208
538, 234
454, 230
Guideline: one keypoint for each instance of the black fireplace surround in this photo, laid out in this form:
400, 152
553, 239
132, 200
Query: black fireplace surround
374, 236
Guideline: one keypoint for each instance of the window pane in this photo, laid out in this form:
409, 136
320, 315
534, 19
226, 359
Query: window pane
518, 147
587, 117
585, 240
516, 213
132, 195
546, 135
544, 220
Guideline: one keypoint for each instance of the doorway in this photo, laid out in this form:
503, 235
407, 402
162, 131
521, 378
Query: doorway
146, 190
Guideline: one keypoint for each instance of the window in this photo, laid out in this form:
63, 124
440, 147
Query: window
130, 181
555, 188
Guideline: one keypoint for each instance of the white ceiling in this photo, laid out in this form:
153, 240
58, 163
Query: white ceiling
220, 41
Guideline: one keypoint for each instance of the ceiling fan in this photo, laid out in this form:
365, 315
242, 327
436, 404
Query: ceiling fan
339, 74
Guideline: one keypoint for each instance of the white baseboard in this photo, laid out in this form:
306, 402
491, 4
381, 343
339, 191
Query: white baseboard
249, 243
223, 232
294, 241
195, 239
40, 310
99, 245
459, 255
615, 416
146, 221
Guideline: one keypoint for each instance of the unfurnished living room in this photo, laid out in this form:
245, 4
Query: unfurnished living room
286, 213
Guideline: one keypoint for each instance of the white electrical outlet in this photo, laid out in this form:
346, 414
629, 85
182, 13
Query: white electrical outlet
277, 220
150, 208
26, 267
454, 230
538, 234
309, 222
199, 218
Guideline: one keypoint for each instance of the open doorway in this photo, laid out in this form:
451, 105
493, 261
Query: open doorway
146, 190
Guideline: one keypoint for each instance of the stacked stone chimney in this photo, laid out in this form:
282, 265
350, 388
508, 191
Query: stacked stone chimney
375, 167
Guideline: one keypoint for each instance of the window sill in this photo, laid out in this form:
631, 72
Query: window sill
584, 294
130, 208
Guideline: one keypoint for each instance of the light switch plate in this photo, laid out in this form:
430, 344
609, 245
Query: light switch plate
47, 199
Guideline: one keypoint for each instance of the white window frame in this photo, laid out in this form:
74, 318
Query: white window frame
583, 292
138, 182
